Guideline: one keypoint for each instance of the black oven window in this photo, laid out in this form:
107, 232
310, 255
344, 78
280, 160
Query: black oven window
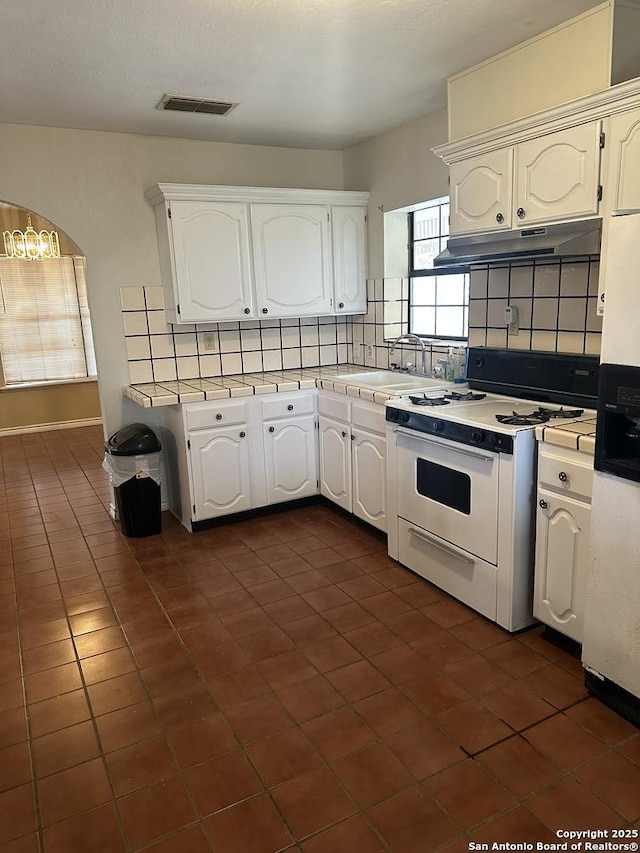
443, 485
438, 299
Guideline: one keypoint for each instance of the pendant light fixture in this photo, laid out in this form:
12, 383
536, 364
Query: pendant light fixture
31, 245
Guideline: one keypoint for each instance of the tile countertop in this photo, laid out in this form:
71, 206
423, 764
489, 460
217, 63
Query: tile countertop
577, 435
246, 384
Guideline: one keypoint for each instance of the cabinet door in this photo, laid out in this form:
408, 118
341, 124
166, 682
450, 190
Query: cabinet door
335, 462
562, 553
221, 471
481, 193
557, 175
369, 460
292, 259
624, 162
291, 459
211, 257
349, 260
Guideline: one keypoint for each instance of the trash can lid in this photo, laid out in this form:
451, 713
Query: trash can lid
132, 440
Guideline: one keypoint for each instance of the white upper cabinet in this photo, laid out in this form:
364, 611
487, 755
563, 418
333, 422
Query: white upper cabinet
241, 253
545, 179
624, 162
557, 176
349, 226
211, 257
292, 259
481, 193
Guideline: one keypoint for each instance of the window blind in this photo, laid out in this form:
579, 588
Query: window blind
45, 331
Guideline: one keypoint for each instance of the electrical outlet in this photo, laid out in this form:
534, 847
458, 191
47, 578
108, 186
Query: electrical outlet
370, 355
512, 319
209, 342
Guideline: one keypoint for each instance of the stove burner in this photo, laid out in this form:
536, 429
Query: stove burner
429, 401
455, 395
523, 420
539, 416
559, 413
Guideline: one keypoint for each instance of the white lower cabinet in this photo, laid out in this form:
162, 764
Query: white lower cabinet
221, 471
228, 456
369, 470
291, 459
353, 461
562, 539
335, 462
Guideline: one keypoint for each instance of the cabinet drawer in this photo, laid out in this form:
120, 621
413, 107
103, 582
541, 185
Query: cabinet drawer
566, 471
368, 417
334, 406
215, 414
288, 405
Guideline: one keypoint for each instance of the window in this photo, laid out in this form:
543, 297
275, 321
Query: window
438, 299
45, 333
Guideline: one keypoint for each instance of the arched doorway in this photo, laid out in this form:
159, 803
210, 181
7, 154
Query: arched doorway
47, 360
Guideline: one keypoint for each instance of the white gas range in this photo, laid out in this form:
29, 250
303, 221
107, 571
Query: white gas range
461, 473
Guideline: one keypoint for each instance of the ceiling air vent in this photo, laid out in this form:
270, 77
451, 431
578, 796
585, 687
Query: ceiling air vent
195, 105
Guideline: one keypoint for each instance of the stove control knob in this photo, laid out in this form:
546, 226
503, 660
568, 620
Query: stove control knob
491, 440
394, 415
437, 426
479, 362
477, 435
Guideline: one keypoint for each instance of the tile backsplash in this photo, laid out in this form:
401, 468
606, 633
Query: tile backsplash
556, 304
556, 301
158, 351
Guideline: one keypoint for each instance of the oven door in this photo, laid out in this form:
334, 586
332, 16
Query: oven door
450, 490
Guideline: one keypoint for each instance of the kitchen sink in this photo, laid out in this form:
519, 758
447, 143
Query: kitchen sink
390, 380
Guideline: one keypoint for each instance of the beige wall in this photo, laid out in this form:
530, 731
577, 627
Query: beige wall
566, 62
91, 185
26, 407
398, 169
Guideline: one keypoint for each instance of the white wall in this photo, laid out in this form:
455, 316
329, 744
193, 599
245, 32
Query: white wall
398, 169
91, 185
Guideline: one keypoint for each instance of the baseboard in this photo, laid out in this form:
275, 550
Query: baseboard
616, 697
49, 427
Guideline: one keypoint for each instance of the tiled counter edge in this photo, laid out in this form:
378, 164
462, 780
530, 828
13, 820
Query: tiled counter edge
577, 435
172, 393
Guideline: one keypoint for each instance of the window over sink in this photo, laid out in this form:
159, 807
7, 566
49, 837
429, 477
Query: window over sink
438, 299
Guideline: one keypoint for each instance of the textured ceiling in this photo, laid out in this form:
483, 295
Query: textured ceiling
306, 73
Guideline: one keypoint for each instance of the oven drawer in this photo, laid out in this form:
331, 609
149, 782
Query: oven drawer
467, 578
565, 470
451, 490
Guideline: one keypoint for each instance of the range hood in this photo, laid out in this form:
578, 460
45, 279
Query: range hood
538, 242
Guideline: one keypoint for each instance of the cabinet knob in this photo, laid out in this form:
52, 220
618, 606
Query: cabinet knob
521, 213
602, 297
563, 477
543, 504
353, 438
247, 310
340, 304
290, 407
272, 429
218, 417
499, 218
243, 434
265, 310
344, 434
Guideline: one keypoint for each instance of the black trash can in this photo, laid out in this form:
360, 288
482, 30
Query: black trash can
133, 461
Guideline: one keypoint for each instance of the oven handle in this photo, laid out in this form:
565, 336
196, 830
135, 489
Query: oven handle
448, 549
450, 445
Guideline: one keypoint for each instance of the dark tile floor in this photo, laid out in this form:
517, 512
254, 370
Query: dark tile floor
273, 684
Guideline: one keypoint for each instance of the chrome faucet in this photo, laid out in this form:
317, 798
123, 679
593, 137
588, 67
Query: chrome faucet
409, 339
